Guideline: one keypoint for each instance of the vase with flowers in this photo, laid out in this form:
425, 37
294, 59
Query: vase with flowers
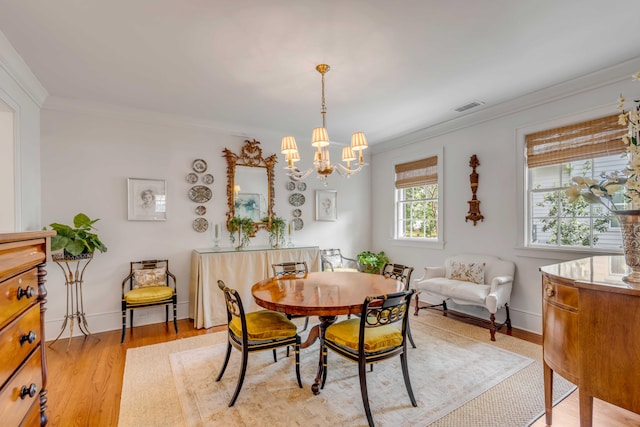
626, 182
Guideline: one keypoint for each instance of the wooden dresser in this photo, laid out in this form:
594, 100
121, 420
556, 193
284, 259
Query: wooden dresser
591, 332
23, 368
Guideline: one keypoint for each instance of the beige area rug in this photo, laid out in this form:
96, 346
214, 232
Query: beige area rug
459, 379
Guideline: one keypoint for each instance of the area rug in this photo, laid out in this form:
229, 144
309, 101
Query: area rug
459, 378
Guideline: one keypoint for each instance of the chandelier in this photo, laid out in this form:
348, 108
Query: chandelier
320, 139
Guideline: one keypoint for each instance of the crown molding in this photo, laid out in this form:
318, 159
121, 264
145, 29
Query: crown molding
19, 71
610, 75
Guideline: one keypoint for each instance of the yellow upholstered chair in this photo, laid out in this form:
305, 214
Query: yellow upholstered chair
380, 333
149, 284
256, 331
332, 260
402, 273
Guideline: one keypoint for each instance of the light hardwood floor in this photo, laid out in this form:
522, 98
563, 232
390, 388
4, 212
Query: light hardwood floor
85, 379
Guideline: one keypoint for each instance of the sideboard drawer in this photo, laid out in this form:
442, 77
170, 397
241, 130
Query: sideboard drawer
17, 293
12, 405
560, 294
18, 340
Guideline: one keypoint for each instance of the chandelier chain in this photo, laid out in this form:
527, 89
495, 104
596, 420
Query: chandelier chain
323, 110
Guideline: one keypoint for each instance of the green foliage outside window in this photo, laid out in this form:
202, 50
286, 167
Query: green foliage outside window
419, 211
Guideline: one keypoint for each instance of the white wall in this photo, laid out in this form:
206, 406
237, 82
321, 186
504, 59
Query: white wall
87, 158
495, 141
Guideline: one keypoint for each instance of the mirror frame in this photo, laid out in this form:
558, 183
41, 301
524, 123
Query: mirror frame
250, 155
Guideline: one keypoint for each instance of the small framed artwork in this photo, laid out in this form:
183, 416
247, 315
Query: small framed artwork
247, 205
326, 205
147, 199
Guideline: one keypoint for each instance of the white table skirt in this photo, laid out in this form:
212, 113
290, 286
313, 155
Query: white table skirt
239, 270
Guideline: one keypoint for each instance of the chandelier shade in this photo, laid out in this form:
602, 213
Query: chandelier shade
320, 140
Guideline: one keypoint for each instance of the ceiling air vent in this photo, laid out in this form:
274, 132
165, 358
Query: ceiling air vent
470, 105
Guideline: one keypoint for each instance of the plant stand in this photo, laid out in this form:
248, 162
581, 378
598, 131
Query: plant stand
73, 268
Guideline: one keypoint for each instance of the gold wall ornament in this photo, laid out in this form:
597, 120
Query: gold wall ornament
474, 204
248, 173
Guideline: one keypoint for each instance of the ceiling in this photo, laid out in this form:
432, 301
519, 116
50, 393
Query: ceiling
248, 66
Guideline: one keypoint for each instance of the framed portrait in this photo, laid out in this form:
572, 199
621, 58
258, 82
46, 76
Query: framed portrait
247, 205
326, 205
147, 199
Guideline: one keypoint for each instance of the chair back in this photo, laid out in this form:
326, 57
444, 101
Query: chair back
398, 272
154, 272
290, 269
332, 259
234, 306
385, 310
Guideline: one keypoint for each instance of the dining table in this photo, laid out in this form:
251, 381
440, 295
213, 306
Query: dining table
324, 294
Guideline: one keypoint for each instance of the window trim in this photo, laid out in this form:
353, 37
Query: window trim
522, 209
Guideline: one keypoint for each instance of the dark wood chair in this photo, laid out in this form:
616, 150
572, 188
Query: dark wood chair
332, 260
371, 338
402, 273
256, 331
150, 284
291, 270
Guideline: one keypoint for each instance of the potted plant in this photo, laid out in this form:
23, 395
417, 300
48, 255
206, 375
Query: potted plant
244, 228
371, 262
276, 231
78, 241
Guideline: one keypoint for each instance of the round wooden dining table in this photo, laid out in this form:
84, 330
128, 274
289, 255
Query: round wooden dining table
324, 294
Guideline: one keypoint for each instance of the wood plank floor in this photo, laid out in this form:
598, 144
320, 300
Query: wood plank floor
85, 379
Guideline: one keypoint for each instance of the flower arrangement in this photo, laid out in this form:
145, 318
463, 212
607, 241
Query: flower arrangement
628, 180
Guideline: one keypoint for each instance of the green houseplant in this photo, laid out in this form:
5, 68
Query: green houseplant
244, 228
276, 231
77, 240
371, 262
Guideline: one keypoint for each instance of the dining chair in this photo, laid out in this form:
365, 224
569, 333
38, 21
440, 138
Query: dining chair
291, 270
380, 333
332, 260
255, 331
402, 273
150, 284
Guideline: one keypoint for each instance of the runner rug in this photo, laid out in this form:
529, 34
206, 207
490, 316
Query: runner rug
459, 378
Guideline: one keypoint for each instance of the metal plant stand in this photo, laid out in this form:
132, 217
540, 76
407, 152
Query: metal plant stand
73, 268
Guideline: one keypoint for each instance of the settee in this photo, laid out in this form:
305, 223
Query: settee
469, 279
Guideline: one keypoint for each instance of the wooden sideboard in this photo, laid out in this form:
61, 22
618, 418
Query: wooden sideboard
591, 332
239, 270
23, 363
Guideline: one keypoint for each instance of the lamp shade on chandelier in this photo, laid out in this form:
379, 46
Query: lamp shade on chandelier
320, 140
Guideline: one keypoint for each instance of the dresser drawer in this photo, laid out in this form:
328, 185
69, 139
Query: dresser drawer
13, 407
18, 340
559, 294
17, 293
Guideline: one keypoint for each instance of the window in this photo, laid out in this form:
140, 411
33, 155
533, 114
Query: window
592, 149
417, 210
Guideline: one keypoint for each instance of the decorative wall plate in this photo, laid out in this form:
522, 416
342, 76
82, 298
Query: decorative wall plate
199, 165
200, 194
207, 179
201, 210
192, 178
297, 213
297, 199
200, 225
298, 223
302, 186
291, 185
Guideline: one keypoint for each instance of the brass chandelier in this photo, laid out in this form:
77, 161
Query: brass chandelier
320, 139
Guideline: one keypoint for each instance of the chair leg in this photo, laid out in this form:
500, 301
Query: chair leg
243, 371
131, 318
175, 317
306, 323
275, 356
325, 365
166, 313
413, 344
444, 308
407, 381
124, 324
362, 374
508, 321
492, 327
415, 313
297, 350
226, 361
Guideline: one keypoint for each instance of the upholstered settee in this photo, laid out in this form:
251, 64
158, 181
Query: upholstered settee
469, 279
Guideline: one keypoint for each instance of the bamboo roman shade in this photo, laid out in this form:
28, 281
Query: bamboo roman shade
417, 172
586, 140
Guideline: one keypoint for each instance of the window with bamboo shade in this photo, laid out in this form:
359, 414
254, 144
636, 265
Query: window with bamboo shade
417, 199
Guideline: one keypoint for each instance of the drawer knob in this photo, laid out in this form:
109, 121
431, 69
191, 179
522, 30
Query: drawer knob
25, 292
30, 337
549, 290
30, 391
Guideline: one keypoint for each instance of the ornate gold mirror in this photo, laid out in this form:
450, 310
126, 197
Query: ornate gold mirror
250, 188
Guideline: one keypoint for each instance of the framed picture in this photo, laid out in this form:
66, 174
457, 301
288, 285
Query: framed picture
326, 205
147, 199
247, 205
